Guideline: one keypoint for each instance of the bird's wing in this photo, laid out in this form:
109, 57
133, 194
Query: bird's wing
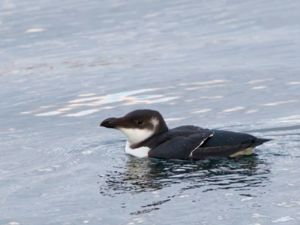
181, 146
218, 151
226, 143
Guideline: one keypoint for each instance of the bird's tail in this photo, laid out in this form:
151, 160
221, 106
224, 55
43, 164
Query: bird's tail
260, 141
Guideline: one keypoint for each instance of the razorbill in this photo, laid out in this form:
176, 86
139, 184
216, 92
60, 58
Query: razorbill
149, 136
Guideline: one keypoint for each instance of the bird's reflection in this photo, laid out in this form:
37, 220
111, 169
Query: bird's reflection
144, 175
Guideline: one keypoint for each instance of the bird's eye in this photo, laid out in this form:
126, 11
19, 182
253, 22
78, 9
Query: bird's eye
139, 122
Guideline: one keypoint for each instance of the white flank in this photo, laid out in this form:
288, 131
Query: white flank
247, 151
141, 152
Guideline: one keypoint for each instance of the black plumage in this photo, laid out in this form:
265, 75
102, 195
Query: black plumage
190, 142
184, 142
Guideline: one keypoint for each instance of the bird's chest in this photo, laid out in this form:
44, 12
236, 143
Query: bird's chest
141, 152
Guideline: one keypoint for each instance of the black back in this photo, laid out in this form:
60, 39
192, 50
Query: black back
178, 143
190, 142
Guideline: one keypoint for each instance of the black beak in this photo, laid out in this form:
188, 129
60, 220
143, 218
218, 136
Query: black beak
109, 123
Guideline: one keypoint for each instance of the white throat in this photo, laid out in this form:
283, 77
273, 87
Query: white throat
141, 152
135, 135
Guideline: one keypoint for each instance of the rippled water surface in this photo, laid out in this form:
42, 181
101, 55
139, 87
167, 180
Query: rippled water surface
67, 65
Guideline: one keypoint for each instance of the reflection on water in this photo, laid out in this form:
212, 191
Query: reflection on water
89, 103
154, 174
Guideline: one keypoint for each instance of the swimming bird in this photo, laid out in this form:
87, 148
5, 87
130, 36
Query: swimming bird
149, 136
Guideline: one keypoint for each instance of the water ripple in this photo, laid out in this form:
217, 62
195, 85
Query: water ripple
152, 174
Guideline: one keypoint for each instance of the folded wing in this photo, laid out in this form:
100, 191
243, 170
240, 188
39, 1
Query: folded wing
181, 142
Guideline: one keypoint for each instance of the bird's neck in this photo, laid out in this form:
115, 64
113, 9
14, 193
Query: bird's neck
152, 141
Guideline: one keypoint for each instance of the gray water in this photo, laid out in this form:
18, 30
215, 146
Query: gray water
67, 65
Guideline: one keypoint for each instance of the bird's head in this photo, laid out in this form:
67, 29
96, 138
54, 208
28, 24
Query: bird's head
138, 125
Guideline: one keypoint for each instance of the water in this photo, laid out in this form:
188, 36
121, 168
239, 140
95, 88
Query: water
65, 66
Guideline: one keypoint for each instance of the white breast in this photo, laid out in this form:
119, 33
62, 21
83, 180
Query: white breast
141, 152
